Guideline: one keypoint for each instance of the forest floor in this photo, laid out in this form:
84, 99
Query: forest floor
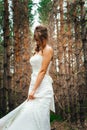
55, 125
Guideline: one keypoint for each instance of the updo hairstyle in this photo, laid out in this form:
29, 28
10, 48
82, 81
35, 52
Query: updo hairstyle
40, 34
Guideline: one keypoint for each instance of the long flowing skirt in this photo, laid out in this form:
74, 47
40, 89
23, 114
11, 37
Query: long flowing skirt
32, 114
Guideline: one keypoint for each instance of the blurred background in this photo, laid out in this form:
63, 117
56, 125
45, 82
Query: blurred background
66, 21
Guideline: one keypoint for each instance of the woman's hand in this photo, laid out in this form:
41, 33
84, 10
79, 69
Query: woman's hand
31, 96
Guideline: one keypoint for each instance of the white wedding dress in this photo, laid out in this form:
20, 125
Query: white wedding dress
33, 114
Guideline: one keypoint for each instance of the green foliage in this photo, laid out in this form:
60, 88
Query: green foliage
1, 15
44, 8
30, 15
54, 117
1, 49
1, 114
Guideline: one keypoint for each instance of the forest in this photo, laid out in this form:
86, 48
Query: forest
66, 21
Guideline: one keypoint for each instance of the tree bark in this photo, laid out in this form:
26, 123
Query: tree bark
6, 86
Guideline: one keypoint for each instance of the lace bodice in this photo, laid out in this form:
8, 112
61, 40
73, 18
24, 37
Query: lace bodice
36, 62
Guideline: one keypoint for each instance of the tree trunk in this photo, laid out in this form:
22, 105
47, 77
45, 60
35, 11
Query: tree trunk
6, 58
21, 43
84, 44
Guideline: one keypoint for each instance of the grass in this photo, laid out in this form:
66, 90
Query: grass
54, 117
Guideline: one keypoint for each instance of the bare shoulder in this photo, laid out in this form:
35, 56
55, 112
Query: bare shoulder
48, 50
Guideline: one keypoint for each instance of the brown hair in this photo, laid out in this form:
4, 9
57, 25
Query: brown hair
40, 34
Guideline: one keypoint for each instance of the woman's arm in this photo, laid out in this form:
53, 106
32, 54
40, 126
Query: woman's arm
47, 55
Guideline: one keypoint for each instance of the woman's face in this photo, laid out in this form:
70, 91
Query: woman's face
37, 41
38, 38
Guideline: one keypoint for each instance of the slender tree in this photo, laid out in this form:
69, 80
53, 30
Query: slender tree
21, 47
1, 56
6, 51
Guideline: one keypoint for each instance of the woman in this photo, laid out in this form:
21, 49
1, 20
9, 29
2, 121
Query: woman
34, 113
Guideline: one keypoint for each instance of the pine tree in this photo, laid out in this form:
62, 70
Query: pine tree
45, 6
1, 57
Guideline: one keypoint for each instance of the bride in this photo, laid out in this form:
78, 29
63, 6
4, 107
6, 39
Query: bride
34, 112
